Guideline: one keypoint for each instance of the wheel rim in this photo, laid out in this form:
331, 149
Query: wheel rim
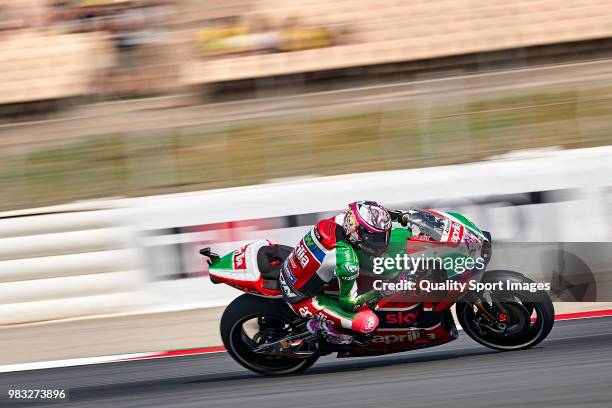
526, 323
256, 329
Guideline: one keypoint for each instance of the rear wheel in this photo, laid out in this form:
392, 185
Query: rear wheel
250, 321
519, 320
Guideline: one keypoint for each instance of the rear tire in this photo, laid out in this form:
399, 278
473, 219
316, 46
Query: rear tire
533, 313
248, 307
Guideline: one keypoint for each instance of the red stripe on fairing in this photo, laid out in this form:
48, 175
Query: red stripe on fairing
247, 286
220, 349
436, 213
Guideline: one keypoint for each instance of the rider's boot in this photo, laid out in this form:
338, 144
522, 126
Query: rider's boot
328, 331
363, 339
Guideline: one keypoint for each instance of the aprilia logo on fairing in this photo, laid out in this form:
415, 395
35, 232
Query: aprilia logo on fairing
456, 232
411, 335
240, 258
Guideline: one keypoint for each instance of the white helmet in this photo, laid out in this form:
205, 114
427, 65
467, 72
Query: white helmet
367, 226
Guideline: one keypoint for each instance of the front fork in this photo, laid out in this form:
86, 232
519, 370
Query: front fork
494, 314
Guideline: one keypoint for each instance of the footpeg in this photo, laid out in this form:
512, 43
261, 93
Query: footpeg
285, 346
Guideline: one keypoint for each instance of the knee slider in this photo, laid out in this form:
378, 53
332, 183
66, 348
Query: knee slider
365, 321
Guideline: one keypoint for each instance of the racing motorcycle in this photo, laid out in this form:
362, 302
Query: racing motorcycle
261, 333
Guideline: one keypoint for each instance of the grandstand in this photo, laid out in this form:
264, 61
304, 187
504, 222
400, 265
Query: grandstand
188, 43
47, 66
397, 31
55, 50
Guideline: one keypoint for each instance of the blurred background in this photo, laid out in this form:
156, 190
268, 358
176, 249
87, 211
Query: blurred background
103, 99
127, 98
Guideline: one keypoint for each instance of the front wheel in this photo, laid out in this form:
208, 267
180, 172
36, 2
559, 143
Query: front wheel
250, 321
522, 320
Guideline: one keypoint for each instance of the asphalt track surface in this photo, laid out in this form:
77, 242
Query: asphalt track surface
572, 368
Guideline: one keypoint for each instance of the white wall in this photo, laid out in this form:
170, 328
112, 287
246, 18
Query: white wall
562, 196
50, 265
581, 180
67, 262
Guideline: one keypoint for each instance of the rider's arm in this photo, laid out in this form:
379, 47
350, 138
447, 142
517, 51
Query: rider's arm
347, 271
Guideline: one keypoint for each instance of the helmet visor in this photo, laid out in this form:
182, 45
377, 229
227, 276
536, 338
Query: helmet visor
377, 241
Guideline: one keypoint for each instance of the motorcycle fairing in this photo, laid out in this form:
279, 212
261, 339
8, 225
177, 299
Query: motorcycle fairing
240, 270
431, 328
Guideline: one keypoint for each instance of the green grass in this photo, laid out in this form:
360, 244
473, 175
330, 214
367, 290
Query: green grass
130, 165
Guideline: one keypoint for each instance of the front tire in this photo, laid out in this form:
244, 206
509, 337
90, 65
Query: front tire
273, 319
532, 316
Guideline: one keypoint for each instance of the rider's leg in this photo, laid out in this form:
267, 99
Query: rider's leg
327, 316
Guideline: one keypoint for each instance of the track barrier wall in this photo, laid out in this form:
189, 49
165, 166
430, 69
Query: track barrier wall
143, 251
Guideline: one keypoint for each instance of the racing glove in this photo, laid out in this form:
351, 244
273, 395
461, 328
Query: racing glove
399, 216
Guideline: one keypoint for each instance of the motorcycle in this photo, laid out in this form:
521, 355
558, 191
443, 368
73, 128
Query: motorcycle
264, 335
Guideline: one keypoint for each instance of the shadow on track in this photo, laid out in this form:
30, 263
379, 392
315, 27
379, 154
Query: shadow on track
353, 364
228, 378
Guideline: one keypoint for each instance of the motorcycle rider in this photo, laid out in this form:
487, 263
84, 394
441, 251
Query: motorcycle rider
328, 251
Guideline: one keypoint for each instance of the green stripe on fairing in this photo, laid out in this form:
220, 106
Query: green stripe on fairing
226, 262
466, 221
